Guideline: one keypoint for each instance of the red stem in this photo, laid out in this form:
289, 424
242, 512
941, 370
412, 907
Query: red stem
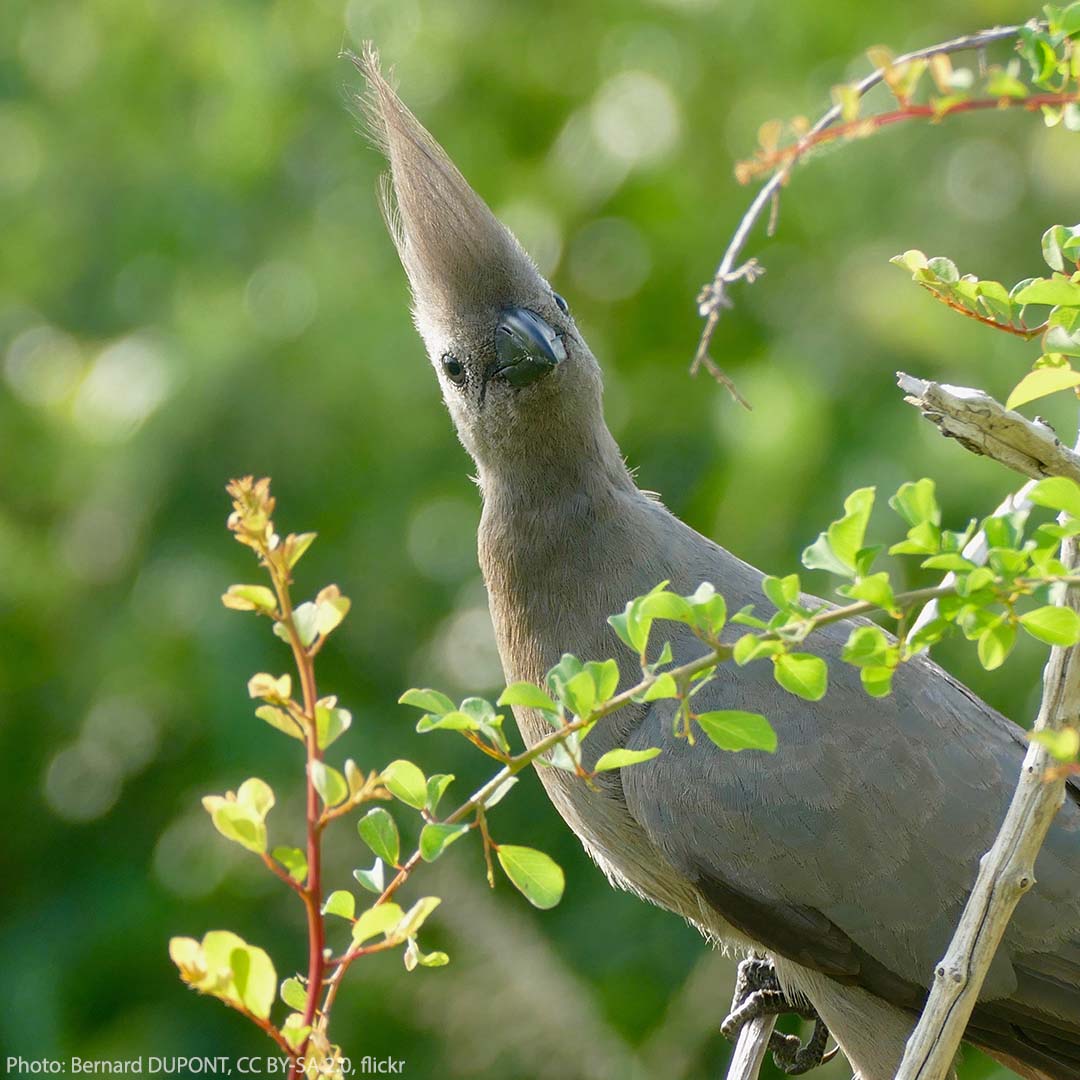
747, 170
311, 893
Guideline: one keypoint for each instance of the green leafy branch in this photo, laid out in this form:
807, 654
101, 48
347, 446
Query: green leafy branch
992, 304
242, 975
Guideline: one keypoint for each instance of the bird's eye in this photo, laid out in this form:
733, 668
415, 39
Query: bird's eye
561, 304
454, 369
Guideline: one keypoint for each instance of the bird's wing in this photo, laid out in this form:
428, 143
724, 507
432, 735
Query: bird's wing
852, 849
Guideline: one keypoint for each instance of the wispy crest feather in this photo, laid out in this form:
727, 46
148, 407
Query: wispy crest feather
458, 256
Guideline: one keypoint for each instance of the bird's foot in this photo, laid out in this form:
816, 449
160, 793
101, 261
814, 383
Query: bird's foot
758, 993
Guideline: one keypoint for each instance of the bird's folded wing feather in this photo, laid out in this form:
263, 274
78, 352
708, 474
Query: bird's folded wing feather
852, 849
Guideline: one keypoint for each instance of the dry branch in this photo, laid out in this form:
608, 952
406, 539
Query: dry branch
984, 426
750, 1049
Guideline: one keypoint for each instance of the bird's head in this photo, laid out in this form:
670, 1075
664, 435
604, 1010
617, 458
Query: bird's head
513, 369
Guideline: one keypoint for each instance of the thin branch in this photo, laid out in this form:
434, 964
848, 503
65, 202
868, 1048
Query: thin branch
713, 298
1006, 873
984, 426
789, 155
750, 1049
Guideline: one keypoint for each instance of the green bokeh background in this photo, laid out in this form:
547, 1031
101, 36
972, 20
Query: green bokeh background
195, 284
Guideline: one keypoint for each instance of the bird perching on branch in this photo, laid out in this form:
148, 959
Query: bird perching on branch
846, 856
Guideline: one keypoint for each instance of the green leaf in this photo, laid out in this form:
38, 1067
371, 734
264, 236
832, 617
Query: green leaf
1052, 624
340, 902
415, 917
527, 696
1041, 382
297, 545
374, 880
451, 721
666, 605
242, 817
877, 681
294, 861
1068, 22
255, 979
305, 619
406, 782
1057, 493
664, 687
751, 647
782, 592
579, 694
875, 589
923, 539
330, 721
329, 783
802, 674
617, 759
293, 994
1053, 240
995, 644
1059, 289
435, 839
429, 700
413, 956
846, 535
280, 719
380, 919
257, 796
380, 832
820, 556
436, 788
268, 688
866, 646
732, 729
1062, 336
1063, 744
237, 823
605, 677
916, 502
250, 598
294, 1031
538, 877
330, 608
951, 561
709, 607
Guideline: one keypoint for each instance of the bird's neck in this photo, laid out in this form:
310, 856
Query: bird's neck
563, 544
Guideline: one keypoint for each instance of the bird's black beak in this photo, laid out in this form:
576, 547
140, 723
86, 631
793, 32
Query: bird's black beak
526, 348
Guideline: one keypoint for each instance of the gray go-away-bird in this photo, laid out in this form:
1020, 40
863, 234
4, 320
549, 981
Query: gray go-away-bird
844, 858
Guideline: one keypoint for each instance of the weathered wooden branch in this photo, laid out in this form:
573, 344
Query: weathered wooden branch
1007, 870
984, 426
750, 1049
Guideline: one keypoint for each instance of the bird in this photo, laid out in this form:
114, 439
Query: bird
843, 859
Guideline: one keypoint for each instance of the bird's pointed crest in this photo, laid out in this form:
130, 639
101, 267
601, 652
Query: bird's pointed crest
458, 256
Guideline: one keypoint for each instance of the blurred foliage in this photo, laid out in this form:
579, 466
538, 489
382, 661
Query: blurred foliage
189, 244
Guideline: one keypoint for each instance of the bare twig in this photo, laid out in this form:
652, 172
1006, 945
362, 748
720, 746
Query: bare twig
713, 298
984, 426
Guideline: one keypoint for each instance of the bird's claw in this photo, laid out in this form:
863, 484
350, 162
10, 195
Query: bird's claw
758, 993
